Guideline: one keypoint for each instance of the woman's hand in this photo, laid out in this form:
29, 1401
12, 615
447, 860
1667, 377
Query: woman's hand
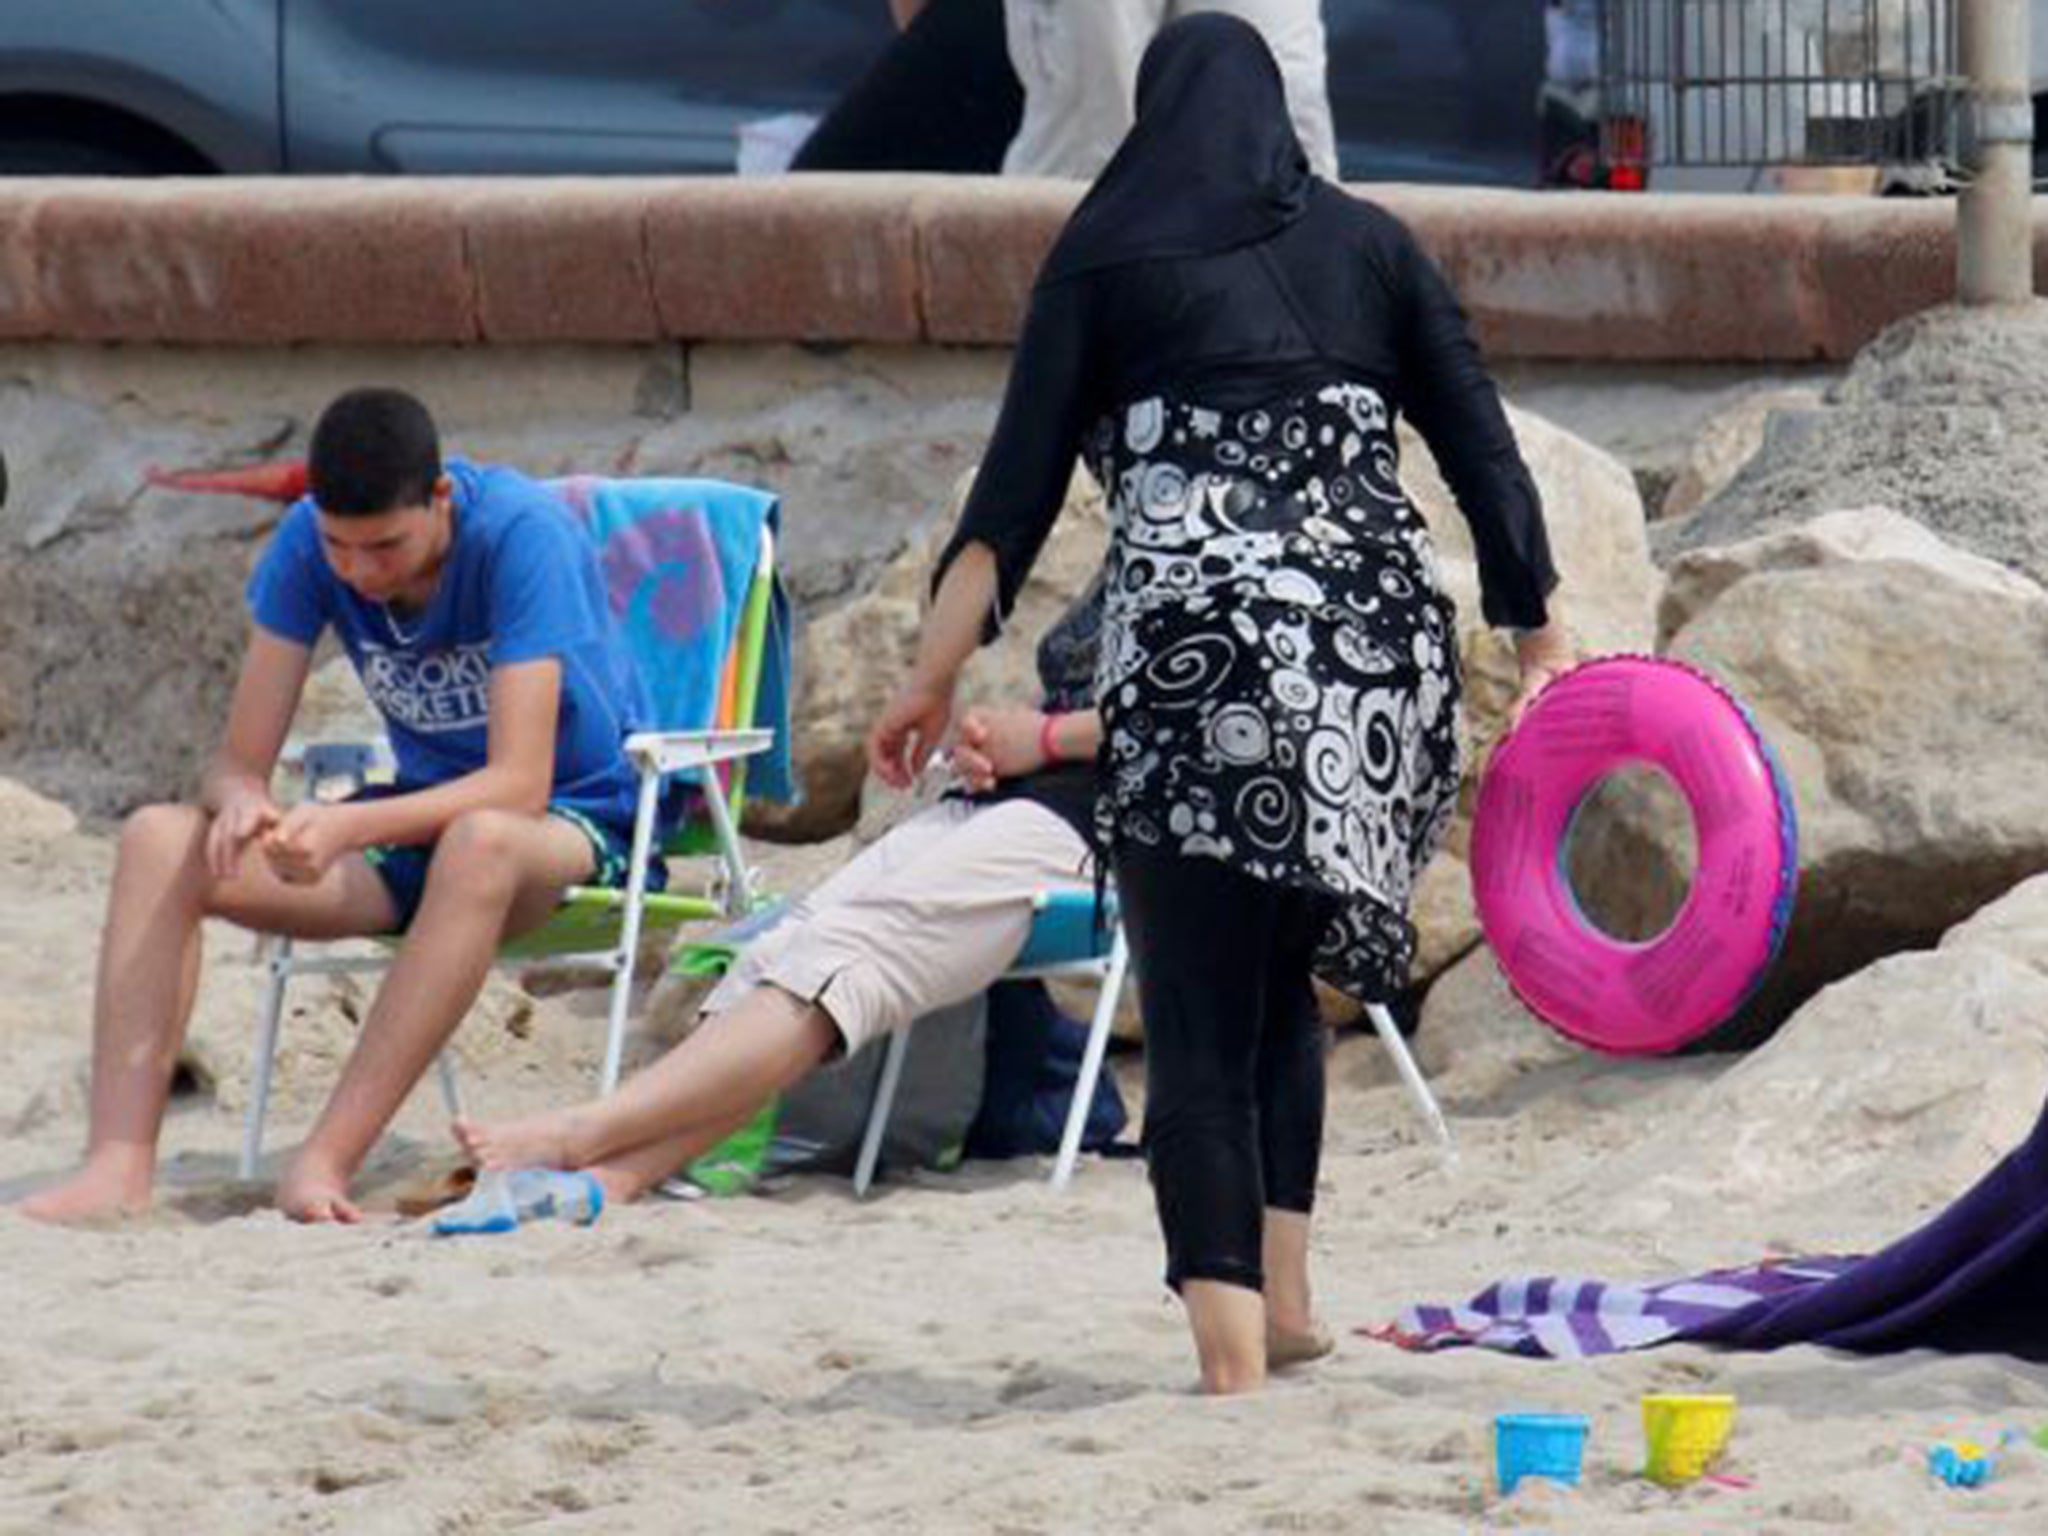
1544, 655
910, 728
999, 743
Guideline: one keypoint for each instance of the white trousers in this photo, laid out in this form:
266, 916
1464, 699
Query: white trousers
1078, 61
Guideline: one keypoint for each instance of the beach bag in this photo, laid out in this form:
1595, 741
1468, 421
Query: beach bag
1033, 1060
816, 1126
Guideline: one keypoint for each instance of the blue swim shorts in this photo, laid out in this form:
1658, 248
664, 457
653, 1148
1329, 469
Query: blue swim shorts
403, 868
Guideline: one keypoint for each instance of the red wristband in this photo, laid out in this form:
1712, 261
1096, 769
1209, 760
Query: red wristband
1048, 749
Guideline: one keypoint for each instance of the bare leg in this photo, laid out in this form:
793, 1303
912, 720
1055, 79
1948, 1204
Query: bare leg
1293, 1334
680, 1106
149, 974
1229, 1324
494, 873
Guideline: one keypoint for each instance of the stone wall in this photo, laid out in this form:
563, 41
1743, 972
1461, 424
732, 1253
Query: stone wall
905, 260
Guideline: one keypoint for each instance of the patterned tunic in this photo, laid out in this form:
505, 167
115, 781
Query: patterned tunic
1278, 680
1278, 676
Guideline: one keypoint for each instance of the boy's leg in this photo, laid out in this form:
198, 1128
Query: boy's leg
149, 971
493, 874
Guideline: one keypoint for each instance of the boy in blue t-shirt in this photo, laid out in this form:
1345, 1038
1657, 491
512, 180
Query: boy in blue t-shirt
471, 602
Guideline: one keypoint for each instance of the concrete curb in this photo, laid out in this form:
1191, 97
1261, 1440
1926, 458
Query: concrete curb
909, 260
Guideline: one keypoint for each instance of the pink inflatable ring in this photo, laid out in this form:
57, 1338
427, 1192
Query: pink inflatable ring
1635, 999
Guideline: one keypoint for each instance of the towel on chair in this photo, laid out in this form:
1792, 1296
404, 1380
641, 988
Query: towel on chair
678, 557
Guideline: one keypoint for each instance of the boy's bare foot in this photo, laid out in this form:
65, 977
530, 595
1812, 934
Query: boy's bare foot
539, 1141
98, 1191
312, 1191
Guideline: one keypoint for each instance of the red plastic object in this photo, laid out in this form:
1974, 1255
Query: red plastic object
282, 481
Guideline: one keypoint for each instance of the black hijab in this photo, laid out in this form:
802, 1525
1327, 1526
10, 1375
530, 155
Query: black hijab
1211, 163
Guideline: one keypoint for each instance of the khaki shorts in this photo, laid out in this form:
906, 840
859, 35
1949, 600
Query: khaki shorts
927, 916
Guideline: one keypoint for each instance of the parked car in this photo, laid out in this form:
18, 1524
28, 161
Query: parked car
1420, 89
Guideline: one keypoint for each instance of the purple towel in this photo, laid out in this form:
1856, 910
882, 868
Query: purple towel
1973, 1279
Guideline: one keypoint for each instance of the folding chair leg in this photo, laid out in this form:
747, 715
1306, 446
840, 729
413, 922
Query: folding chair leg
878, 1111
1404, 1063
266, 1056
615, 1028
451, 1091
1091, 1061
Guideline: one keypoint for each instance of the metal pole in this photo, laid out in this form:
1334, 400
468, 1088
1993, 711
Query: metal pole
1994, 225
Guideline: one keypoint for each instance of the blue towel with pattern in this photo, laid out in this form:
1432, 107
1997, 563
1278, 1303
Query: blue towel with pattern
678, 556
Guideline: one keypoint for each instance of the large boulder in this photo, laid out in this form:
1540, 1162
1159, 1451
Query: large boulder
849, 661
1729, 439
1879, 1102
1608, 587
1894, 675
1944, 416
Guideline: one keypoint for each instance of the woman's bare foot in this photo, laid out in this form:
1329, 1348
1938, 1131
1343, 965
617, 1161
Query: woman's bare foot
1296, 1345
103, 1189
313, 1191
539, 1141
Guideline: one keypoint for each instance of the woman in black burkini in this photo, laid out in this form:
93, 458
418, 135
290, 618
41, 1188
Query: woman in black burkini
1228, 340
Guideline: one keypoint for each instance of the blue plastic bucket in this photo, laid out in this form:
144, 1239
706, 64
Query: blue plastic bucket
1551, 1445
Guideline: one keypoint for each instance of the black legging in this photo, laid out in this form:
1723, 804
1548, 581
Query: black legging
942, 97
1233, 1055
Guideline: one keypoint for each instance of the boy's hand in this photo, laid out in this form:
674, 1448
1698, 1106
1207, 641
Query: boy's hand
999, 743
244, 815
306, 841
908, 732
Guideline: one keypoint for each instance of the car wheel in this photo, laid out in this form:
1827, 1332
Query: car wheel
69, 157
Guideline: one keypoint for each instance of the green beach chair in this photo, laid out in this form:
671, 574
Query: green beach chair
593, 925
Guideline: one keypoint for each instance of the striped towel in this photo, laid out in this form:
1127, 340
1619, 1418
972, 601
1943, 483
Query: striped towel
1972, 1280
1564, 1317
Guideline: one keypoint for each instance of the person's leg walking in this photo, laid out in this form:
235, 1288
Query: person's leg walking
494, 874
1290, 1074
1078, 63
148, 976
1199, 934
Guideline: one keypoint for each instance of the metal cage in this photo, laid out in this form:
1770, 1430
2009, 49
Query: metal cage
1780, 82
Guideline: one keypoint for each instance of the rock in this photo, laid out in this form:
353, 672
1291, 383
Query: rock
1864, 534
1446, 922
1607, 591
1944, 417
1880, 1101
121, 616
2015, 925
1893, 676
1727, 442
28, 818
1477, 1040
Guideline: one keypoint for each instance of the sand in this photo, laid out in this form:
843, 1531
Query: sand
969, 1353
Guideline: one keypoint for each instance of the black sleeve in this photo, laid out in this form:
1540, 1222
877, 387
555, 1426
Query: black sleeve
1448, 394
1022, 482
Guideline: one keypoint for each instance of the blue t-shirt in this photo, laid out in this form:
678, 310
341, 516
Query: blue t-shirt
521, 583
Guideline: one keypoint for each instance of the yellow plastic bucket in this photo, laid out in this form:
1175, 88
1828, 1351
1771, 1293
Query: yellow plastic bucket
1683, 1433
